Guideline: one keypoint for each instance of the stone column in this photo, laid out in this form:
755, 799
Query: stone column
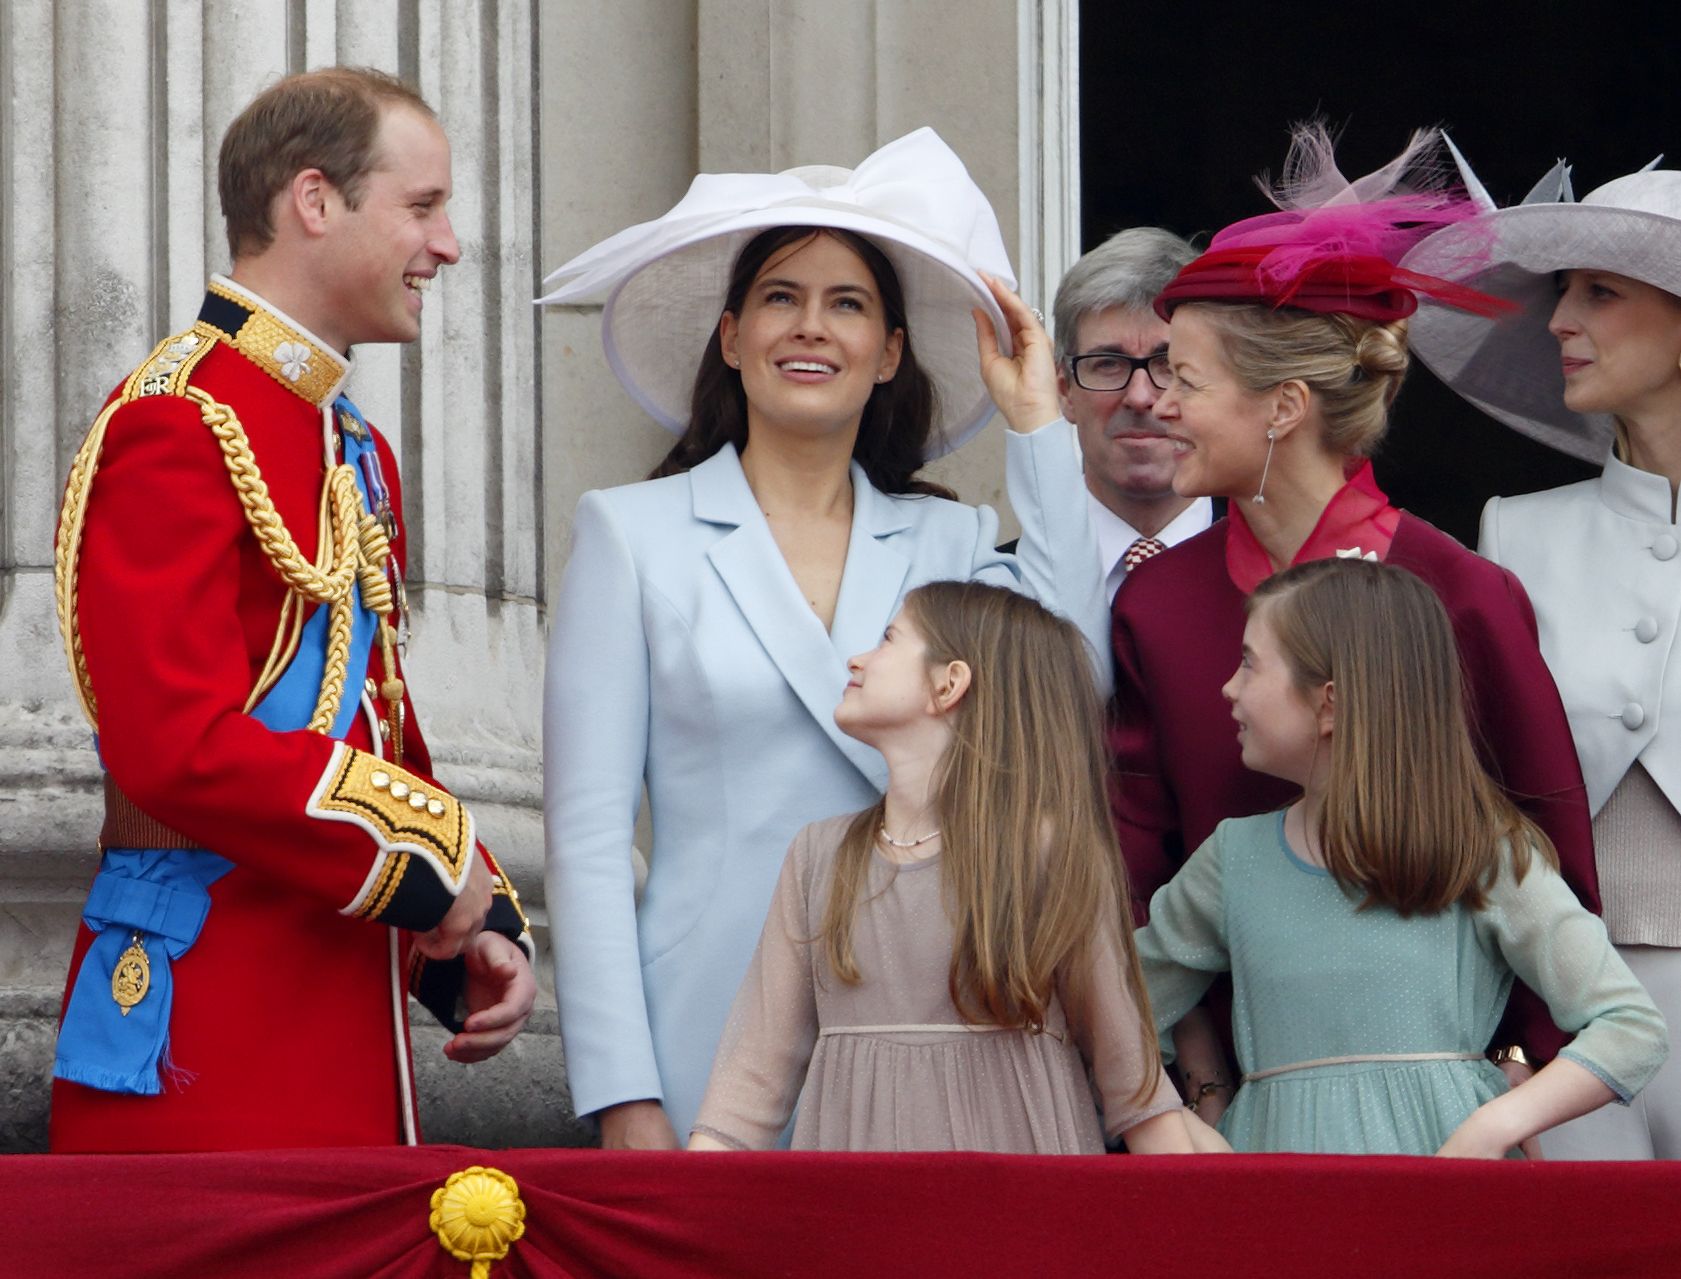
110, 117
78, 310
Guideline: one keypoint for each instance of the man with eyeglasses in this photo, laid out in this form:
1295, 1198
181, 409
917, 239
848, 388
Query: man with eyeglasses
1111, 354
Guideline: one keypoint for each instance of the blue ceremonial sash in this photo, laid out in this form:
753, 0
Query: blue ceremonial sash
157, 899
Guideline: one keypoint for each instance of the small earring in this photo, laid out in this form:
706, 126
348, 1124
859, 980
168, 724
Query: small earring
881, 377
1260, 499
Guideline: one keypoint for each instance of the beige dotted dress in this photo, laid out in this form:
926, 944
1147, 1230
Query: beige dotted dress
888, 1064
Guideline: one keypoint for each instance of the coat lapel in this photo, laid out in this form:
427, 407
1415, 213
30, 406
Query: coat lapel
757, 578
875, 571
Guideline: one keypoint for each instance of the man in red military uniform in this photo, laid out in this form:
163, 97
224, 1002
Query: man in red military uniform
278, 864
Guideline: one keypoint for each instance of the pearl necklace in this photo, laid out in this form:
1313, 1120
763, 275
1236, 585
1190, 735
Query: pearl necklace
908, 843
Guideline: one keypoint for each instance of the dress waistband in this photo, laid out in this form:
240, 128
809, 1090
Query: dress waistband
937, 1029
1251, 1076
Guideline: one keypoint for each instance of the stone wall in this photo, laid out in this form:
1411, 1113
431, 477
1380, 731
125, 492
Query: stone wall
569, 119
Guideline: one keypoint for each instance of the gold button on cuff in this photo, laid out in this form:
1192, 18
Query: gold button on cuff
399, 790
417, 800
435, 807
380, 780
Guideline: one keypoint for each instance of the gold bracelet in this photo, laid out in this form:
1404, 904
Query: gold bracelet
1513, 1052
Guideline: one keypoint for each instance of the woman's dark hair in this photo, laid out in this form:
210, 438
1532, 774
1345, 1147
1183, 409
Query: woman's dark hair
897, 421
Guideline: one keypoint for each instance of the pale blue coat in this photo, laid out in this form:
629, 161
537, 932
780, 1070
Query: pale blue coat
683, 654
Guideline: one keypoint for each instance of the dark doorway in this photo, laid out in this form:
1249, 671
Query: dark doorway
1182, 105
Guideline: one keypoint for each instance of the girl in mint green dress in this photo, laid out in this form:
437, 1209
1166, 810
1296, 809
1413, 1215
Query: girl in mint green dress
1374, 927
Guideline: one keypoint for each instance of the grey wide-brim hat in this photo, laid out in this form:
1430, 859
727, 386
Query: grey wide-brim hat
1510, 366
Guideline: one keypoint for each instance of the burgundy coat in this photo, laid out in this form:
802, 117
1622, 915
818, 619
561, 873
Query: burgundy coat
1178, 769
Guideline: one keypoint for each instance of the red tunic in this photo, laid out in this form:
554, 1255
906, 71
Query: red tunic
1178, 770
289, 1017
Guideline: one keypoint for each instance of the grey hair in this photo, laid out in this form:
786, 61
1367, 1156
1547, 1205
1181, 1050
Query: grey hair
1127, 270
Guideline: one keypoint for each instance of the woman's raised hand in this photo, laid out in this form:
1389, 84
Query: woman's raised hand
1022, 385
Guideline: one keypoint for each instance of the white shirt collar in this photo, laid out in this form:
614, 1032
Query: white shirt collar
1115, 536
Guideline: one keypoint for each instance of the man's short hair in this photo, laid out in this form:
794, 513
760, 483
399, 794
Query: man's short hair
1127, 270
326, 119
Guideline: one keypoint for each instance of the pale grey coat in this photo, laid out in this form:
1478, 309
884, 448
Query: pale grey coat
1601, 561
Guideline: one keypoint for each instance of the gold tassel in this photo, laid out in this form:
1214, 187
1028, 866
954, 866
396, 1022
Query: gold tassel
391, 689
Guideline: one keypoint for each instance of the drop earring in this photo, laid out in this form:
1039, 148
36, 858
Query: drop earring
1260, 496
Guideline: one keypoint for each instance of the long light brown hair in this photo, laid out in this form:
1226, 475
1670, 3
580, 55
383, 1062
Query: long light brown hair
1411, 818
1029, 862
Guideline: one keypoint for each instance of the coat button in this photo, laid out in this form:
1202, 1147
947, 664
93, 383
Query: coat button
1646, 630
1634, 715
1664, 546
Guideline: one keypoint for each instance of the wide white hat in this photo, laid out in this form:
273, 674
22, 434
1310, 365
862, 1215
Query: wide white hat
1509, 366
664, 281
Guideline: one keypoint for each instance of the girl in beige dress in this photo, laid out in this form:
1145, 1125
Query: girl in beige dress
953, 968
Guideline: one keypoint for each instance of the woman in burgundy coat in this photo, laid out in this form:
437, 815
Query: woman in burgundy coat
1288, 344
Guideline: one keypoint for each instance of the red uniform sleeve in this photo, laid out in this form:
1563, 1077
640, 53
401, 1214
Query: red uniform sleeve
173, 596
440, 984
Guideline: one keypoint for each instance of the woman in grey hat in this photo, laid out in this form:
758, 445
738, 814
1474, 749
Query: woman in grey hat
1591, 365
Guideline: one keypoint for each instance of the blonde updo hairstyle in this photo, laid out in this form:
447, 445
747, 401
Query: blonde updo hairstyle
1353, 366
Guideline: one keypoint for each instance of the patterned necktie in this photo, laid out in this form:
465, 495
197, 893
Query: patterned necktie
1140, 551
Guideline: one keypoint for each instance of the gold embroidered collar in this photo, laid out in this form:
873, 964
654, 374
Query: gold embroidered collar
275, 343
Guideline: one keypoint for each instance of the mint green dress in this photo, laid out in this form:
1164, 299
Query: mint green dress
1313, 979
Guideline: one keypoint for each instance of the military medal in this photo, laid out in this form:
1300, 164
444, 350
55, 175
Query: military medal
132, 977
349, 423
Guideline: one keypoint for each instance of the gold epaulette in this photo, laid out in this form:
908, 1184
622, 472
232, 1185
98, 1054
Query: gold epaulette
170, 365
165, 371
351, 548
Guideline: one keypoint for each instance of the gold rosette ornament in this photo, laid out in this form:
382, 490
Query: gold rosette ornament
477, 1215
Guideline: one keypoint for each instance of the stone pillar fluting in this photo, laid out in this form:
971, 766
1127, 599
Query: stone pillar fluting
110, 117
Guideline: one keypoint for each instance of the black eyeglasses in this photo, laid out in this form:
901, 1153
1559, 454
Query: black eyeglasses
1112, 371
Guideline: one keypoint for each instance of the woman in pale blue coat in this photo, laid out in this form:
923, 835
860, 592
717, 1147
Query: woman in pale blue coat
810, 335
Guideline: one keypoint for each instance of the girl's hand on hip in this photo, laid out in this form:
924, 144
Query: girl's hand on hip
1479, 1137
